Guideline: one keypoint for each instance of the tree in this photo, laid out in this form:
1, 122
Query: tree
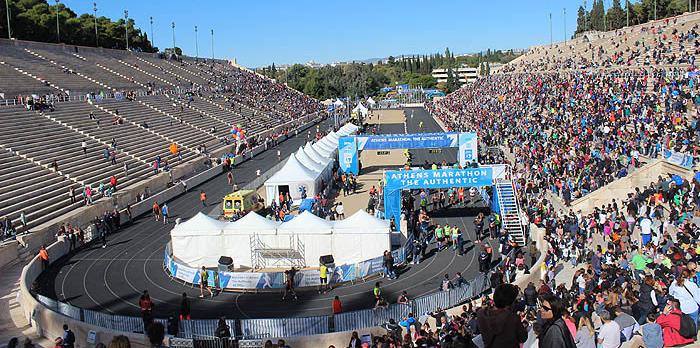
616, 17
581, 20
452, 81
597, 15
35, 20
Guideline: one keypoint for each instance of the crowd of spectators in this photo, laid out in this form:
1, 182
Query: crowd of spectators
666, 42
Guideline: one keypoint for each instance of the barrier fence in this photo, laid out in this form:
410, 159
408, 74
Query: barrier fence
275, 280
204, 329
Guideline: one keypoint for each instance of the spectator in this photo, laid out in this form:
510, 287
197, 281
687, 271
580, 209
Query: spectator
500, 326
185, 307
355, 341
687, 293
670, 322
652, 333
585, 334
609, 333
120, 341
554, 332
146, 306
44, 257
337, 305
156, 335
68, 339
223, 331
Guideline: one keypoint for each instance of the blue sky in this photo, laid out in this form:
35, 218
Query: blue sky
261, 32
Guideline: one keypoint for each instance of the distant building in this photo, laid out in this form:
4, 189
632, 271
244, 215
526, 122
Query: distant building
465, 74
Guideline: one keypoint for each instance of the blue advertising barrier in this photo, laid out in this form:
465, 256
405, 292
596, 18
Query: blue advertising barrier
370, 317
348, 147
398, 180
203, 327
275, 280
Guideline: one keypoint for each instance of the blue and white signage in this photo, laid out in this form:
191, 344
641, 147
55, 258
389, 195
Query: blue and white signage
349, 146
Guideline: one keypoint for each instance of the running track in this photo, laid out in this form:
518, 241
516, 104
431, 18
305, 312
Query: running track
112, 279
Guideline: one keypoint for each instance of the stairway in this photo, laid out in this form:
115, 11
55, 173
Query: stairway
509, 210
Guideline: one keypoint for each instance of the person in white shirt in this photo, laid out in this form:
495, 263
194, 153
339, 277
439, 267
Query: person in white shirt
609, 334
687, 293
645, 226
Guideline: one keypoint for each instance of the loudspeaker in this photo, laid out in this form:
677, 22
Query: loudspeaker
326, 260
225, 264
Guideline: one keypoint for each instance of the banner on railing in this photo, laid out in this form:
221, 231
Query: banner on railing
275, 280
679, 158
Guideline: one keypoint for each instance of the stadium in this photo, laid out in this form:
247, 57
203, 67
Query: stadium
537, 197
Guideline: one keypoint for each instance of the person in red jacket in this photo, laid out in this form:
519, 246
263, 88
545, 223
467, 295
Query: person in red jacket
337, 305
670, 322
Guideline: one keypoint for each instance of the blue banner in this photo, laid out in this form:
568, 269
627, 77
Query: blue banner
349, 146
441, 178
468, 148
397, 180
681, 159
347, 155
407, 141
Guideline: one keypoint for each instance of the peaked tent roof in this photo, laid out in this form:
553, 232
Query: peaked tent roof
371, 101
361, 222
198, 225
251, 223
314, 155
305, 160
306, 223
338, 103
292, 171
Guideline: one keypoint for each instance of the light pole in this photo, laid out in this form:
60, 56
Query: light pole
654, 9
97, 36
173, 26
126, 28
565, 25
627, 10
196, 43
153, 40
551, 37
58, 30
7, 12
212, 44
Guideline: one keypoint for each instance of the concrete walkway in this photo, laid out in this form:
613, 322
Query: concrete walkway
14, 324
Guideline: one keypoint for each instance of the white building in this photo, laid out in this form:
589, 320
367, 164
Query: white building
465, 74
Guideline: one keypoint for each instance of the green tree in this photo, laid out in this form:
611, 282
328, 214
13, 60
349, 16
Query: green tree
581, 20
452, 81
616, 17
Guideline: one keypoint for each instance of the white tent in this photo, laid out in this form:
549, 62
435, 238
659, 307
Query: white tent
360, 237
371, 101
360, 109
312, 231
338, 103
291, 178
333, 137
325, 148
314, 155
199, 233
236, 237
305, 160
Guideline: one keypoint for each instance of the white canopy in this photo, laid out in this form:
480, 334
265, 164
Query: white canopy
371, 101
314, 155
338, 103
305, 223
292, 178
359, 237
308, 162
325, 148
251, 223
361, 223
313, 232
198, 233
360, 109
333, 137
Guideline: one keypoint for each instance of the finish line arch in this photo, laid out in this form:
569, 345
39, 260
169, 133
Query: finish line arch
399, 180
348, 147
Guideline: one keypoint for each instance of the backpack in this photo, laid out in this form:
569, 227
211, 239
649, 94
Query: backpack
70, 339
688, 328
